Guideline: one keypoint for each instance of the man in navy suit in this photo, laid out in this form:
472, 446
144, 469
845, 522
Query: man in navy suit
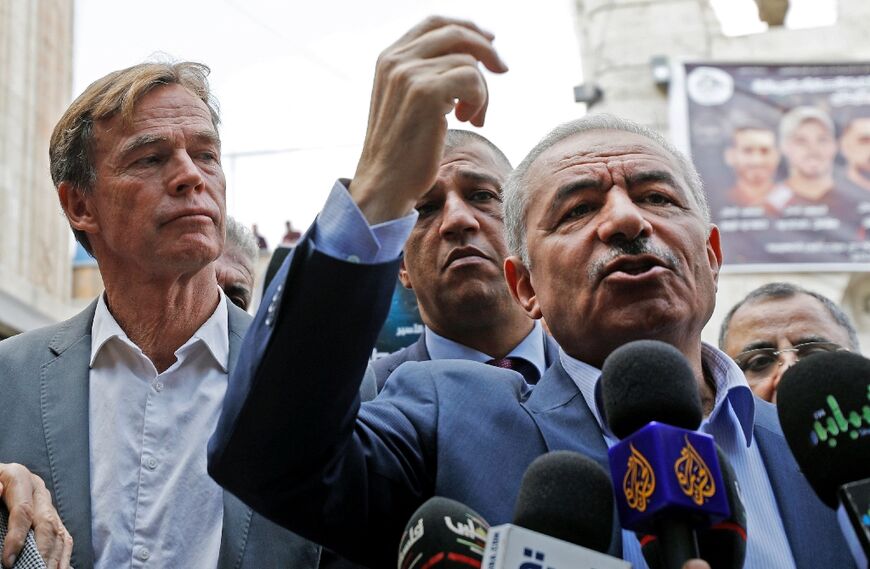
453, 262
611, 242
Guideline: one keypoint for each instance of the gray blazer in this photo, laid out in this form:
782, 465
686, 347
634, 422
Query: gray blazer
44, 384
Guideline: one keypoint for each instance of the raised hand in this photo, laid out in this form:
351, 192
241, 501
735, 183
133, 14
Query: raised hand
429, 72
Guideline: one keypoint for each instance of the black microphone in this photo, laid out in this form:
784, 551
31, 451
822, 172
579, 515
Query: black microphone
563, 518
568, 496
666, 476
443, 533
723, 544
823, 404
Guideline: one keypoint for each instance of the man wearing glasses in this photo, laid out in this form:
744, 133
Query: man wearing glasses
778, 324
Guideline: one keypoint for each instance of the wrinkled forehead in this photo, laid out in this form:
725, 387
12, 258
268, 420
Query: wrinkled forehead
602, 152
233, 255
797, 318
167, 106
598, 145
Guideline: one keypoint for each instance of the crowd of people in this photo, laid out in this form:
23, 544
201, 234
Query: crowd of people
163, 426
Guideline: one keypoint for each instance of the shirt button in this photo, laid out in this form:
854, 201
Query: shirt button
151, 463
158, 386
143, 553
353, 259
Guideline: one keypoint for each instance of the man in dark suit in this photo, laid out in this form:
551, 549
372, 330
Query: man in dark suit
611, 242
453, 261
113, 407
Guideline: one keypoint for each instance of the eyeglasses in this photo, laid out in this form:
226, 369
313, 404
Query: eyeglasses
760, 363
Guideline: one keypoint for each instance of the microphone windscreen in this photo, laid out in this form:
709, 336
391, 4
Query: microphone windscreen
568, 496
647, 381
443, 533
722, 545
823, 404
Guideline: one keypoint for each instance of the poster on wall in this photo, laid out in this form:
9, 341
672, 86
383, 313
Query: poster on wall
403, 326
784, 152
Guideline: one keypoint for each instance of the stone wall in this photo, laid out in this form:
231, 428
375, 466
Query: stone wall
36, 70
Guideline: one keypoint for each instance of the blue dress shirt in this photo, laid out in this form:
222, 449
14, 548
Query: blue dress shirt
530, 349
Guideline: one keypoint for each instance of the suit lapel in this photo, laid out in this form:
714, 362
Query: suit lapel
567, 423
234, 533
64, 381
563, 417
237, 516
416, 352
798, 514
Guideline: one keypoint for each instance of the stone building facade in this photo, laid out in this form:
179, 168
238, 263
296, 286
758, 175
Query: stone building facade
36, 46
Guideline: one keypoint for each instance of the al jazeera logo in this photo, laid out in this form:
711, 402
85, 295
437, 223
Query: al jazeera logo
639, 481
694, 475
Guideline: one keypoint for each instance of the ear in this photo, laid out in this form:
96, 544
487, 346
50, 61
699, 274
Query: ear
714, 252
519, 281
77, 207
404, 278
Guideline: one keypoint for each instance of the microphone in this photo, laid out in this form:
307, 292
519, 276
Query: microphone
823, 404
667, 478
563, 518
443, 533
722, 544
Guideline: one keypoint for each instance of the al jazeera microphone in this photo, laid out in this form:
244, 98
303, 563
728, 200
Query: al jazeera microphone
666, 475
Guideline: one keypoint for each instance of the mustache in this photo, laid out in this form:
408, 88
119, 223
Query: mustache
639, 246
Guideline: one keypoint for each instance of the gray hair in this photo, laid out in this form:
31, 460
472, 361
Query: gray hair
242, 239
516, 194
788, 290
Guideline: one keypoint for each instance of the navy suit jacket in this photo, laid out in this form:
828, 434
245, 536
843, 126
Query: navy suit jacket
417, 352
44, 385
295, 443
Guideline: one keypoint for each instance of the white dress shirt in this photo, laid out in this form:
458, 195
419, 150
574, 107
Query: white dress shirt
152, 502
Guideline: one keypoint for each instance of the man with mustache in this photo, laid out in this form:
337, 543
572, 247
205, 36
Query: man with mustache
112, 408
453, 262
778, 324
611, 242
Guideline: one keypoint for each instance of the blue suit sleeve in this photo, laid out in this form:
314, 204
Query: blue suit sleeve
289, 442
